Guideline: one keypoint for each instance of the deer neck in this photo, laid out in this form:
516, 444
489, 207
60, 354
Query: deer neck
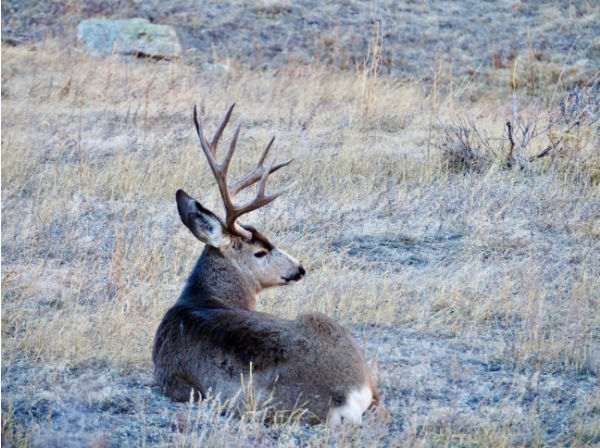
216, 282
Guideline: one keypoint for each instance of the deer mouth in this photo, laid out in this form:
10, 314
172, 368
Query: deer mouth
294, 278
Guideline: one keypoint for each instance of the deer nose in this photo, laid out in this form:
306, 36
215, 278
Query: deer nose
301, 271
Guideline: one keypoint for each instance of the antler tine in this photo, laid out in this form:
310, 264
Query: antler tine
261, 198
259, 201
270, 169
196, 122
219, 170
256, 174
205, 146
215, 140
273, 196
260, 172
265, 151
264, 154
263, 180
229, 154
217, 136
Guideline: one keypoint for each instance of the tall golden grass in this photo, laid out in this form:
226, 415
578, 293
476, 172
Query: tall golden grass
93, 253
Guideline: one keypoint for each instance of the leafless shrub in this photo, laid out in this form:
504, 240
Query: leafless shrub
464, 147
572, 146
578, 103
526, 124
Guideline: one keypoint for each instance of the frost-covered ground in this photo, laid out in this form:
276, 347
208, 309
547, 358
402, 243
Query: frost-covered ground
473, 288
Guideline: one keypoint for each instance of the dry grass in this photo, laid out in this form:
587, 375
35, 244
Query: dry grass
499, 266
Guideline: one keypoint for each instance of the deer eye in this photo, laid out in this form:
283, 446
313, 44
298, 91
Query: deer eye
260, 253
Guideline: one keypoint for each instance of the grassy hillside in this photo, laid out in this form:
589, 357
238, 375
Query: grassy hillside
463, 254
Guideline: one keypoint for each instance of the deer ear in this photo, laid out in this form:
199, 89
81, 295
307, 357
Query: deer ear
204, 224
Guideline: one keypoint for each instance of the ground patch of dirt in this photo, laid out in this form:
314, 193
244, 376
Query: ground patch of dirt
393, 250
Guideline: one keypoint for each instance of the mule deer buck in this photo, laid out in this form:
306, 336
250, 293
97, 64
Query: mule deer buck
213, 333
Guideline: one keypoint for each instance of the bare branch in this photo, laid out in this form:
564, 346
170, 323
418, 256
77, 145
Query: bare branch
511, 150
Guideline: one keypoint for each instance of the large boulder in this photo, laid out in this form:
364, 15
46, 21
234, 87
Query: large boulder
103, 37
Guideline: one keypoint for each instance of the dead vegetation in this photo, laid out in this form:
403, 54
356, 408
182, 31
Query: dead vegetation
562, 130
471, 280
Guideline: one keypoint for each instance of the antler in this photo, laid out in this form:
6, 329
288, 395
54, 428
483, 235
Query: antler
259, 173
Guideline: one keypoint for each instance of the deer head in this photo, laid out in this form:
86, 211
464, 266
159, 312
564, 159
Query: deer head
241, 253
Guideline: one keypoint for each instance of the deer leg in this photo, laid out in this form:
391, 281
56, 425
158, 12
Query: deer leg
179, 389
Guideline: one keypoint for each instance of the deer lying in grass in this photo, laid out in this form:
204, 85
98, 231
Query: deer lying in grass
212, 334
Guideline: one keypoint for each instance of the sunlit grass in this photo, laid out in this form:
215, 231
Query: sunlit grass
93, 253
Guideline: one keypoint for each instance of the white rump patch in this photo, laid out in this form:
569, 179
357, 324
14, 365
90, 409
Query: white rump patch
357, 402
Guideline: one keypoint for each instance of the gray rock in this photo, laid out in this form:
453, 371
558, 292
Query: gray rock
103, 37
